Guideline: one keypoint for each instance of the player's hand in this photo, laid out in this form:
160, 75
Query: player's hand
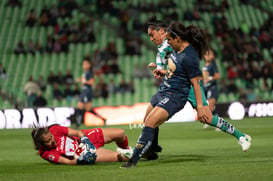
88, 158
159, 73
79, 80
202, 115
90, 146
152, 66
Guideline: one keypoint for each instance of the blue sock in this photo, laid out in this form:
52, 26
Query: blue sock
79, 117
143, 143
155, 141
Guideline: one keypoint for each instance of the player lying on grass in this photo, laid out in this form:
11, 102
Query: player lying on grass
57, 144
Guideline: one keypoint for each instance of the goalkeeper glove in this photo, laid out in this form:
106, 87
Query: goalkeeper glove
90, 146
88, 158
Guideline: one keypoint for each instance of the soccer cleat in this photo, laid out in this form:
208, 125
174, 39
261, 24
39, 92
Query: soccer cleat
127, 153
244, 141
158, 149
205, 126
218, 129
128, 164
150, 156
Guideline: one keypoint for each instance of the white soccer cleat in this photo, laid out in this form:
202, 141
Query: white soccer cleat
218, 129
205, 126
127, 153
244, 141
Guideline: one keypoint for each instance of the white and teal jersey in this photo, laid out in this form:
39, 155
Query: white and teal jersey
161, 59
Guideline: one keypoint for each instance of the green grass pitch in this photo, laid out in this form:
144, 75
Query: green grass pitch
189, 153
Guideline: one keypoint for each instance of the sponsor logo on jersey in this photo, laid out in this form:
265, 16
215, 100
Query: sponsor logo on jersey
51, 157
62, 144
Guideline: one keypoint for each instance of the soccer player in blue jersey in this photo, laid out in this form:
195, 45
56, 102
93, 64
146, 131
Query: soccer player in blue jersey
189, 45
210, 77
85, 101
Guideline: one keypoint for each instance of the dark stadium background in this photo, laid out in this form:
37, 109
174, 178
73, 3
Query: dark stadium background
113, 34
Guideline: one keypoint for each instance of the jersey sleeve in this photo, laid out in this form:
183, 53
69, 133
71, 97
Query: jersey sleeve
215, 67
159, 63
191, 66
51, 156
162, 57
205, 68
89, 75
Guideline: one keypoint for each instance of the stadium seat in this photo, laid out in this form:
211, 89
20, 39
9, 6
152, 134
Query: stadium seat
13, 30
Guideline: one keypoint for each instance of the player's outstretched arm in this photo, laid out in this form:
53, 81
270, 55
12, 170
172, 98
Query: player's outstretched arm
201, 112
74, 132
66, 161
89, 158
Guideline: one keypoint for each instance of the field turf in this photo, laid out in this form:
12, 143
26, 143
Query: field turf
189, 153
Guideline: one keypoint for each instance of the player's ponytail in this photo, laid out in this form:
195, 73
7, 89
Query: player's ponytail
192, 34
198, 39
156, 24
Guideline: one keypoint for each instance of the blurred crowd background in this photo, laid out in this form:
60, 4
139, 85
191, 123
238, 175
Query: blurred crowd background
42, 45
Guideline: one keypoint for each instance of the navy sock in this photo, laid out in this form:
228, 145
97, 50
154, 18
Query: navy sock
155, 141
79, 117
143, 143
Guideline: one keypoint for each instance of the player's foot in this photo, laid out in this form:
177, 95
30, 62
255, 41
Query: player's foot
158, 149
217, 129
128, 164
150, 155
205, 126
244, 141
127, 153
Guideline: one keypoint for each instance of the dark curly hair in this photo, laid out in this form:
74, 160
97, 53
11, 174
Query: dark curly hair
192, 34
156, 24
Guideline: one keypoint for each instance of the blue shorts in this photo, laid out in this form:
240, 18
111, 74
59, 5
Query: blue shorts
211, 92
86, 95
156, 99
172, 103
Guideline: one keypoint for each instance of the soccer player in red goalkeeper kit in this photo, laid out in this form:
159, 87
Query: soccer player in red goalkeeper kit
57, 144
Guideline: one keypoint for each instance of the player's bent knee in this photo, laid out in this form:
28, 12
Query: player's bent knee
150, 124
121, 132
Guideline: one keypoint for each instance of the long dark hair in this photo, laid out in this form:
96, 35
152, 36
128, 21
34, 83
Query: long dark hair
192, 34
37, 134
156, 24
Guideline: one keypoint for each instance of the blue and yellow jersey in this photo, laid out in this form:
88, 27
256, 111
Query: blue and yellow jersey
182, 67
212, 69
87, 76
